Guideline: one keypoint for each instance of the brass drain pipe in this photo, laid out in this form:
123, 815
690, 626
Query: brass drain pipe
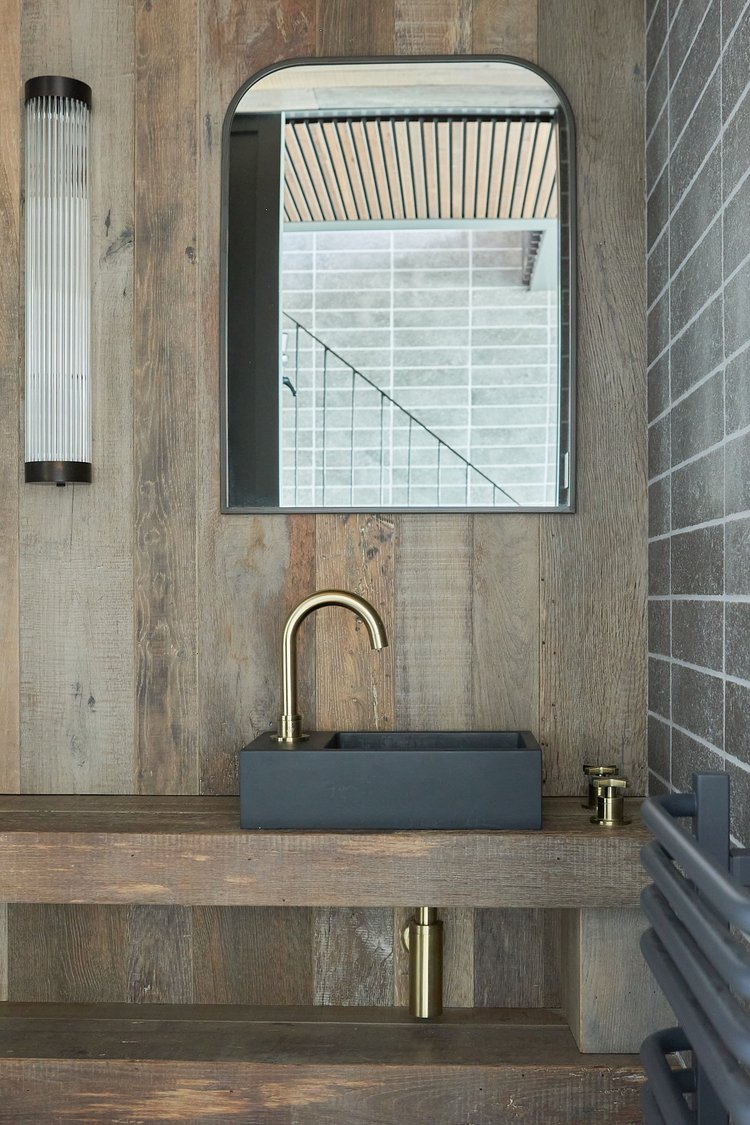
423, 939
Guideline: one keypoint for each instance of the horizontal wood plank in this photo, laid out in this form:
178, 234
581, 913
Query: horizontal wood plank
112, 1063
190, 851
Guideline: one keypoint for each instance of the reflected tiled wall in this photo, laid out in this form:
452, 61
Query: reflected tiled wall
440, 320
698, 185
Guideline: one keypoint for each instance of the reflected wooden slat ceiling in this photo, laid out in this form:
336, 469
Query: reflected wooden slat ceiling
355, 169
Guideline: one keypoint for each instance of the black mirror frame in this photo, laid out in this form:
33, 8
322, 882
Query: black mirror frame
568, 273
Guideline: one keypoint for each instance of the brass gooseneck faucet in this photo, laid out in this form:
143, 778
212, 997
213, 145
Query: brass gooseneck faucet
290, 723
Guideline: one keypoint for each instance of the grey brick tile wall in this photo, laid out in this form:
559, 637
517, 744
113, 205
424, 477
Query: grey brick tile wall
698, 206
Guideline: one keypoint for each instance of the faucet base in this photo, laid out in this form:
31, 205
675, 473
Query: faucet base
289, 730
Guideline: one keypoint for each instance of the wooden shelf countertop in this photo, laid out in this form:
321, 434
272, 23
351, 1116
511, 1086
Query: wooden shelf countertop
191, 851
114, 1063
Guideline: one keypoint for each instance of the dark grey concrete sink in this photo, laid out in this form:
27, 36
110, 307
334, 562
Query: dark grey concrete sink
393, 780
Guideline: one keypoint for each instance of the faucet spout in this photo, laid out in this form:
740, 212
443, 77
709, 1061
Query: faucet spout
290, 722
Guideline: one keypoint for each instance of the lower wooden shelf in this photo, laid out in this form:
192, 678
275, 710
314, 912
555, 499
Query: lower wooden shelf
117, 1063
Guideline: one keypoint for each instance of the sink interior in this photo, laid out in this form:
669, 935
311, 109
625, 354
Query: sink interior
431, 740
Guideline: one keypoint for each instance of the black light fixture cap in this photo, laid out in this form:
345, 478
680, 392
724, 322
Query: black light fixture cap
58, 472
56, 86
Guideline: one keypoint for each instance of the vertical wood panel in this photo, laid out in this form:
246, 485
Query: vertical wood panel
3, 951
353, 956
351, 27
70, 954
165, 437
609, 997
159, 955
354, 684
517, 958
594, 563
252, 955
76, 542
251, 571
509, 28
10, 399
355, 687
433, 27
505, 617
433, 616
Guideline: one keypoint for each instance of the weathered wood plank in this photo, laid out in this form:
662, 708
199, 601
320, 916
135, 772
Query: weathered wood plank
158, 955
76, 631
609, 996
353, 956
166, 471
505, 623
3, 951
69, 953
189, 1064
353, 27
10, 399
257, 569
506, 587
509, 28
433, 27
433, 616
252, 955
593, 673
99, 858
355, 688
517, 958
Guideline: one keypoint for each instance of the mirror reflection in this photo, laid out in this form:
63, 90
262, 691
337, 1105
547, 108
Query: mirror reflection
397, 265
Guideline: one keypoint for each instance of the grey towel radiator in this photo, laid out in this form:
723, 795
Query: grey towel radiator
697, 948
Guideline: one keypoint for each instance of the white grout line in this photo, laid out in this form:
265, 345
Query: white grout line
728, 599
716, 675
721, 444
685, 56
720, 521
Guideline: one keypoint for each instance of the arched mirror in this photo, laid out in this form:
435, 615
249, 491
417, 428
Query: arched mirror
398, 288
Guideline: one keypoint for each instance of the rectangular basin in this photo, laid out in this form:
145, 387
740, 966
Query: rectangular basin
393, 780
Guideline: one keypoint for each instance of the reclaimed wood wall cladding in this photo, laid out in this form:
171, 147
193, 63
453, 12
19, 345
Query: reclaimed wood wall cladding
150, 624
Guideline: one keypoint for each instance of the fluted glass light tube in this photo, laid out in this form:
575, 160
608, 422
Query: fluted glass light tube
58, 281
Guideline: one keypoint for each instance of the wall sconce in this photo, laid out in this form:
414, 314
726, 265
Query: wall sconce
58, 281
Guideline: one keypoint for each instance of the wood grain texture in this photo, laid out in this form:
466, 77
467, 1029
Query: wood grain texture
3, 951
69, 953
353, 956
433, 616
166, 306
593, 565
353, 949
609, 995
509, 28
433, 27
193, 1065
351, 28
10, 399
355, 687
76, 631
256, 569
517, 958
159, 955
505, 623
153, 850
252, 955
